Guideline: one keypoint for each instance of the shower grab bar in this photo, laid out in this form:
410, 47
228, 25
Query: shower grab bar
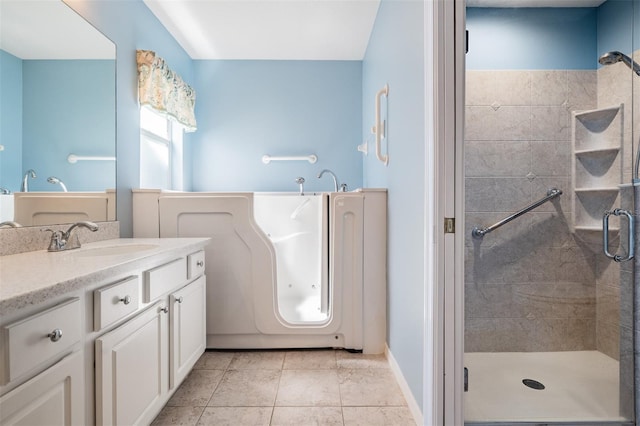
479, 233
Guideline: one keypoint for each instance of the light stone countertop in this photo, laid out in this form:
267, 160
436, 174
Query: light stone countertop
34, 277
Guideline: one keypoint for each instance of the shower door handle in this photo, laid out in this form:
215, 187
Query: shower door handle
630, 236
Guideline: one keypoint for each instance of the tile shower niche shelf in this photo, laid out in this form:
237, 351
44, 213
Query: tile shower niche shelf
596, 172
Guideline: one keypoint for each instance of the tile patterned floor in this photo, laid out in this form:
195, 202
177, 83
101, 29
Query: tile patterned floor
306, 387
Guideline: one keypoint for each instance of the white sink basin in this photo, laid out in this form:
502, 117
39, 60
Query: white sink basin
117, 250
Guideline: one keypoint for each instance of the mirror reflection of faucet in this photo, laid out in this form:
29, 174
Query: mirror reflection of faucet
25, 180
10, 224
54, 180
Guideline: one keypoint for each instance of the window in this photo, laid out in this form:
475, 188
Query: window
160, 151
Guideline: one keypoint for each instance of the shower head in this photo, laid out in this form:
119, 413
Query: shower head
614, 57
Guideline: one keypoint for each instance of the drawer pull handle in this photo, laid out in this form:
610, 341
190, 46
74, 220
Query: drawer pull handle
179, 299
164, 309
55, 335
126, 300
200, 263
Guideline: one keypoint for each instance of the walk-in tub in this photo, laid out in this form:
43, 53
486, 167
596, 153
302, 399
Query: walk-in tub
284, 270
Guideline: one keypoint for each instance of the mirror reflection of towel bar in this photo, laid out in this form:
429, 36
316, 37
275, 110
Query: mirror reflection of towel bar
266, 159
72, 158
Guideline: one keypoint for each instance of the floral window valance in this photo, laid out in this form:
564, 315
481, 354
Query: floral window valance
163, 90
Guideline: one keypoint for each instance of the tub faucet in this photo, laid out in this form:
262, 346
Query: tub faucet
333, 175
300, 181
54, 180
25, 180
61, 240
4, 191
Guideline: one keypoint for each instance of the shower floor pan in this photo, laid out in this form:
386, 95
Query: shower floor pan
579, 386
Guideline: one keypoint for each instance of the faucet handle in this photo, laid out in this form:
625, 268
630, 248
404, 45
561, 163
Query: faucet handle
58, 242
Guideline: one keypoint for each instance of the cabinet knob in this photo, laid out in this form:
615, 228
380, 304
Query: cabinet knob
179, 299
164, 309
200, 263
55, 335
126, 300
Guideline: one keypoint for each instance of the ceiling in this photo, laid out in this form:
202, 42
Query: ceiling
268, 29
288, 29
49, 29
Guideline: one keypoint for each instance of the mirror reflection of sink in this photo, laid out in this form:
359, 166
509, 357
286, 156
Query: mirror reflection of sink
116, 250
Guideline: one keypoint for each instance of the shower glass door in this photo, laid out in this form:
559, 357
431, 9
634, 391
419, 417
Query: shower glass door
552, 102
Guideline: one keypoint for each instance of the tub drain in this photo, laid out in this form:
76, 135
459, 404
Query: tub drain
533, 384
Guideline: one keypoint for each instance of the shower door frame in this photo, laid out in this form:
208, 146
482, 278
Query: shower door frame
450, 49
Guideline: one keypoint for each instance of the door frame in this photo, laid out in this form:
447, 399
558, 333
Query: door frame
445, 45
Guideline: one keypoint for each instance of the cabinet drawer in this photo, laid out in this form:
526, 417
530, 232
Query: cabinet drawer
195, 265
114, 302
164, 278
40, 337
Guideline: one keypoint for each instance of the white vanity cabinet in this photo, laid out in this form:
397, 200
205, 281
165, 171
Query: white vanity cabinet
100, 335
140, 363
44, 348
187, 331
131, 369
53, 397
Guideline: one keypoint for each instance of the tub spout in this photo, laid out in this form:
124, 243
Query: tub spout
333, 175
300, 181
25, 180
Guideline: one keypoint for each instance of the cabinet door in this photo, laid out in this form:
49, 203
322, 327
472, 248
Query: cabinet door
132, 369
187, 330
53, 397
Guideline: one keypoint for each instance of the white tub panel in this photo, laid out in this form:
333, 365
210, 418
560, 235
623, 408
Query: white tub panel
346, 253
239, 258
241, 284
46, 208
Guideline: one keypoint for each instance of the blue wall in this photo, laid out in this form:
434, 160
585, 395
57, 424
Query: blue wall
526, 38
616, 26
246, 109
131, 25
550, 38
10, 121
395, 55
68, 107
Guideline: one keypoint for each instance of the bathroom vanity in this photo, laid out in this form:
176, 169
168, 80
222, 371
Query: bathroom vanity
99, 335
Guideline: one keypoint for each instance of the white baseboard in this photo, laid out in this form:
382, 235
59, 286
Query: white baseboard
414, 407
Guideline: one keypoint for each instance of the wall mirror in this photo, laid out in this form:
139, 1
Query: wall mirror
58, 100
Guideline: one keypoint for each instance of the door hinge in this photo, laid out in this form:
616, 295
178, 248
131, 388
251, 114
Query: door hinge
449, 225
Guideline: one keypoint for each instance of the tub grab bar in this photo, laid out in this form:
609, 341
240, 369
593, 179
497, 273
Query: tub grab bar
266, 159
479, 233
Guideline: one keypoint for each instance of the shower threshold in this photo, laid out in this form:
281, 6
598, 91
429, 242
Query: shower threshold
578, 387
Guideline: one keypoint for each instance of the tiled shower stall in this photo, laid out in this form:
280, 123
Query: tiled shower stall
534, 285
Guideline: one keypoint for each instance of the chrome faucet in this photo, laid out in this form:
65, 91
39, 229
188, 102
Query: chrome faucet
333, 175
10, 224
300, 181
54, 180
25, 180
4, 191
61, 240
